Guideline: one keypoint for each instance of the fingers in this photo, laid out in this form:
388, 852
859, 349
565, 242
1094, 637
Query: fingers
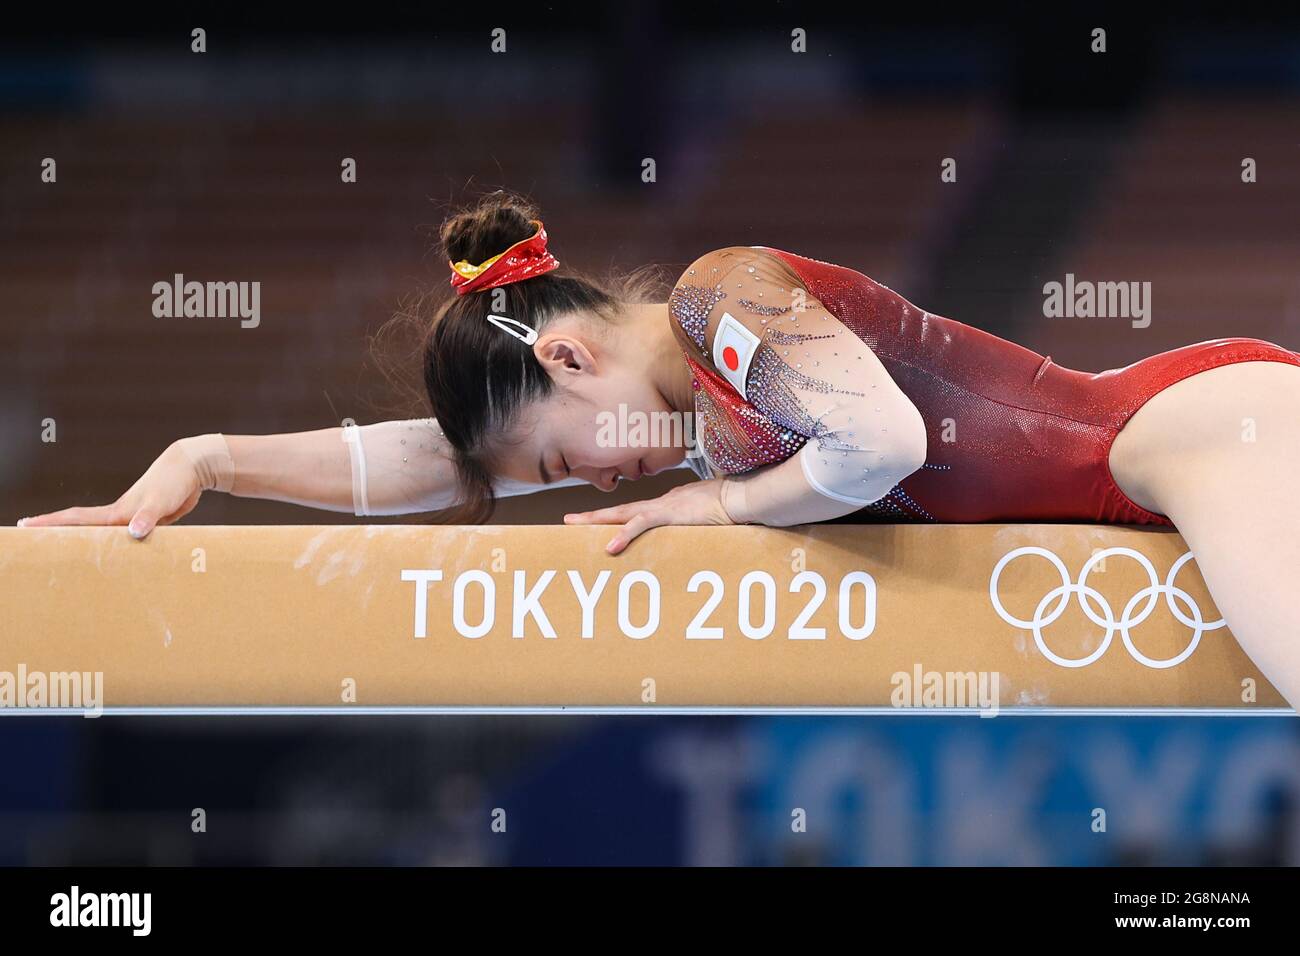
635, 517
639, 523
615, 514
101, 515
143, 521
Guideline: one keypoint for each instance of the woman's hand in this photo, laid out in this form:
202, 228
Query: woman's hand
168, 491
696, 503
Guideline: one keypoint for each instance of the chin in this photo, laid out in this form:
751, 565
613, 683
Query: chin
663, 459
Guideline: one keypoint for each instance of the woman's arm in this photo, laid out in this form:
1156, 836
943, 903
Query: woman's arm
783, 494
301, 468
387, 468
405, 467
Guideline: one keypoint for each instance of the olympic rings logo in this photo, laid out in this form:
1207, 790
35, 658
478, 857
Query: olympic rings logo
1106, 617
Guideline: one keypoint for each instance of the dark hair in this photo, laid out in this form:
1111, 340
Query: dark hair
478, 377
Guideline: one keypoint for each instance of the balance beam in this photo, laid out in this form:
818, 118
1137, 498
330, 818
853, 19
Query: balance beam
909, 619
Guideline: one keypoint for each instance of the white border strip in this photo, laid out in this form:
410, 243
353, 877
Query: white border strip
647, 711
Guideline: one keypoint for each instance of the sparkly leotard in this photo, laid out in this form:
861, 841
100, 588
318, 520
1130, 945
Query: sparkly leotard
1010, 435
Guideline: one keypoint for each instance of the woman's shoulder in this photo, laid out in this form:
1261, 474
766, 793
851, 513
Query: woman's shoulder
714, 267
726, 274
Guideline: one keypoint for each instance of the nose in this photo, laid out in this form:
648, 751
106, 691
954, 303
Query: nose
606, 479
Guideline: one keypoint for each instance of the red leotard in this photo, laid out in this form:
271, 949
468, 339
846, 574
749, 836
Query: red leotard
1035, 437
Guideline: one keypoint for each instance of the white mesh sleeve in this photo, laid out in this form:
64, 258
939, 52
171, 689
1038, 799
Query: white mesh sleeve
404, 467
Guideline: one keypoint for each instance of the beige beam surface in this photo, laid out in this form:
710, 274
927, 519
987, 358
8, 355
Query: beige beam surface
539, 616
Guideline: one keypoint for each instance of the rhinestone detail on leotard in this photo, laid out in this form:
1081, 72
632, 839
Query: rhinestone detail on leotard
793, 338
690, 305
736, 436
771, 386
757, 308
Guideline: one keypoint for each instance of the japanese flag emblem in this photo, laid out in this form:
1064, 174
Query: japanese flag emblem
733, 351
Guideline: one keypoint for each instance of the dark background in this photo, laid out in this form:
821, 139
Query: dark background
1123, 166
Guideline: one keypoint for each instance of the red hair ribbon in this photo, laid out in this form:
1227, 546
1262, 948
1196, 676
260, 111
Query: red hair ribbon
525, 259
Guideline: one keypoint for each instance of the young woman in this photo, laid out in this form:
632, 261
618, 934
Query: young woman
816, 394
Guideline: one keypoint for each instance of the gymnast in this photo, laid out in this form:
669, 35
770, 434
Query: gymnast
817, 394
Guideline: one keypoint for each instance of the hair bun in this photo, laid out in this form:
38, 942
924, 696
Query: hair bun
490, 226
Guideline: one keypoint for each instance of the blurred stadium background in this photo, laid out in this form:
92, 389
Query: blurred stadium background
1122, 166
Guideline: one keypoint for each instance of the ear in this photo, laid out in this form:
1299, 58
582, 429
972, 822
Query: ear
560, 353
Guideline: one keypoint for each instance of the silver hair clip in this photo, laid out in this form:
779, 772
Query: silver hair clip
528, 336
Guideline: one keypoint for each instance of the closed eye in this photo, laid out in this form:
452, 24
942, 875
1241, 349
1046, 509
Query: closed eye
545, 474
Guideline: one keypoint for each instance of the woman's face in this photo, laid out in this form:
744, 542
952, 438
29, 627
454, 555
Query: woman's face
605, 420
